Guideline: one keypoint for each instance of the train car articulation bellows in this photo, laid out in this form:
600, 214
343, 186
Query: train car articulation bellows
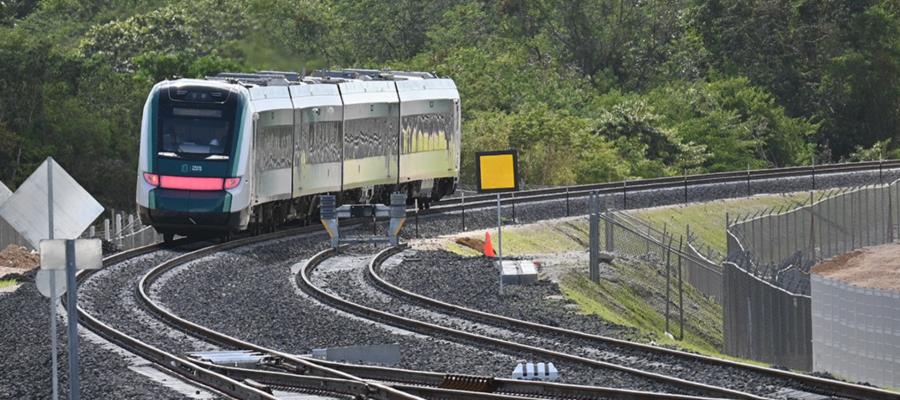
237, 151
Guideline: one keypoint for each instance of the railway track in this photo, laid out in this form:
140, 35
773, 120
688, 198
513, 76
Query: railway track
801, 382
747, 178
432, 385
329, 380
475, 334
240, 386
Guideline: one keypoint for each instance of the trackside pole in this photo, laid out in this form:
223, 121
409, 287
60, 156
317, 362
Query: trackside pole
53, 336
71, 292
499, 244
463, 203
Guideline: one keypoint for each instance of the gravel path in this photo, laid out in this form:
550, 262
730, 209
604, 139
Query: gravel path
25, 366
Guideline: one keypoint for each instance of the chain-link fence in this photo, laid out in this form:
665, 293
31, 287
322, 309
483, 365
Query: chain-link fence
700, 262
779, 246
767, 270
622, 235
119, 233
123, 232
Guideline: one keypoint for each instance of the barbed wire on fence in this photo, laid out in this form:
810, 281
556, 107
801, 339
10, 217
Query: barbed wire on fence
782, 245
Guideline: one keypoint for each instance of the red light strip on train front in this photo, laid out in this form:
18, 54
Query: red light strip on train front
190, 183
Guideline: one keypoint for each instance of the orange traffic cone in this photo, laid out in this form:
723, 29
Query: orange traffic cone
488, 246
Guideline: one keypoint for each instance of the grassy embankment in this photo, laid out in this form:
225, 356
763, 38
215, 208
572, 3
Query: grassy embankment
632, 291
7, 282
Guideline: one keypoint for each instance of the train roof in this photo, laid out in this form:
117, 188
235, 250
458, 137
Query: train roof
287, 78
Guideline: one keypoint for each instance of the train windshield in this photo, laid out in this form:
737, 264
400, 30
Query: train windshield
195, 133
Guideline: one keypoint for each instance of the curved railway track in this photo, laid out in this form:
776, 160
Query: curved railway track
305, 282
402, 381
802, 382
734, 177
342, 380
329, 380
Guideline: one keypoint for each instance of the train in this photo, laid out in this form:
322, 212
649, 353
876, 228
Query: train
249, 151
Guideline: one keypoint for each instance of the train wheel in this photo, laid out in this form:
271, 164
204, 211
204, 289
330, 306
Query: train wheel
168, 237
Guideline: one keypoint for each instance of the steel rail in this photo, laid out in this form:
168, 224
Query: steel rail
504, 385
813, 383
187, 369
396, 379
301, 365
178, 365
193, 370
282, 379
697, 179
305, 283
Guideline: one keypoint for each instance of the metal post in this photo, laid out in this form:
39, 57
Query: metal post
749, 192
624, 195
867, 224
610, 241
71, 292
668, 273
684, 177
812, 227
416, 205
499, 244
846, 215
118, 228
594, 229
53, 336
131, 229
106, 228
890, 215
814, 173
567, 201
680, 291
513, 201
463, 205
859, 213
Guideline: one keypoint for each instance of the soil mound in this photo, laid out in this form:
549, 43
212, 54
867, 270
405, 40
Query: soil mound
16, 259
876, 267
473, 243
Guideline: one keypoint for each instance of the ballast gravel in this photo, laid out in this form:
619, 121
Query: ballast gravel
632, 197
249, 293
472, 282
344, 276
110, 296
25, 365
219, 292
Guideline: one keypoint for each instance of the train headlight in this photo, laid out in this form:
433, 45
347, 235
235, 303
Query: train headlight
231, 183
152, 179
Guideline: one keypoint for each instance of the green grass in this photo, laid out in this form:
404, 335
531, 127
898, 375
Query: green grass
542, 237
707, 220
633, 294
7, 282
632, 291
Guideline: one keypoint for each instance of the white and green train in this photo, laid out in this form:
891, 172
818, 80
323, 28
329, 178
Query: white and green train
239, 151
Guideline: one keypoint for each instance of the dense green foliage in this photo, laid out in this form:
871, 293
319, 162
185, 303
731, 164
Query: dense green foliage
586, 90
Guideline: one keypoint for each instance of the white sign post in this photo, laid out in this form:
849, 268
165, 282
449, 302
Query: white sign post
70, 210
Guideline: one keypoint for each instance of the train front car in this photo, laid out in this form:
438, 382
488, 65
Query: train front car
193, 152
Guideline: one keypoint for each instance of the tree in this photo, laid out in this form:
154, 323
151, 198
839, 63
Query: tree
862, 84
